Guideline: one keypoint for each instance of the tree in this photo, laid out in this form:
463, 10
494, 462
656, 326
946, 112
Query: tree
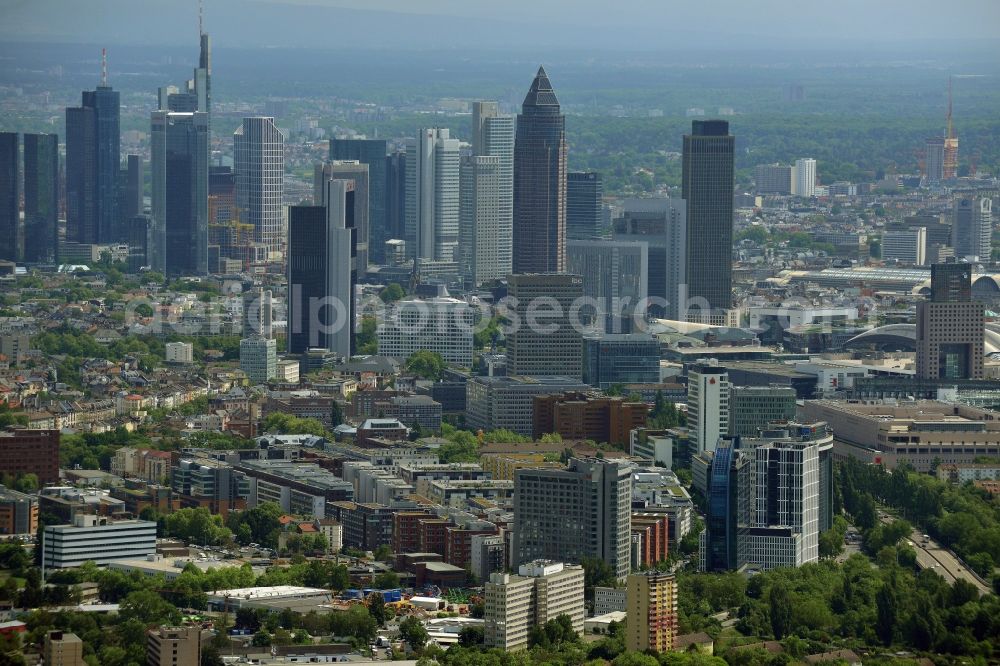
780, 610
336, 414
387, 580
376, 608
392, 293
383, 553
886, 608
261, 639
148, 607
413, 632
471, 637
597, 573
426, 364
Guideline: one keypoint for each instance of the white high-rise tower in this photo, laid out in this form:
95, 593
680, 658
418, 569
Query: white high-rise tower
432, 195
260, 169
805, 175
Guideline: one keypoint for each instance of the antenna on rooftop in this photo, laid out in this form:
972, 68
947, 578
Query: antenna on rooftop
104, 67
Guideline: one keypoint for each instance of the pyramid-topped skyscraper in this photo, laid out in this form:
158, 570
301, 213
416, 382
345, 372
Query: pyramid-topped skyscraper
540, 182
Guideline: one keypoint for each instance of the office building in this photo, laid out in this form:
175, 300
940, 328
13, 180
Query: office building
432, 195
782, 518
173, 646
661, 224
18, 512
442, 324
708, 406
322, 273
357, 172
41, 198
372, 153
549, 343
258, 312
297, 487
259, 359
62, 649
488, 192
203, 482
717, 547
972, 227
816, 434
484, 222
138, 243
707, 187
934, 160
25, 451
773, 178
612, 359
907, 246
93, 160
805, 177
950, 326
582, 416
614, 274
568, 514
98, 539
540, 182
651, 604
541, 591
395, 198
584, 205
11, 226
259, 149
754, 407
179, 149
494, 403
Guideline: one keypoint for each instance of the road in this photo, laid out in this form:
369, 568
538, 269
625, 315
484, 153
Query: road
930, 555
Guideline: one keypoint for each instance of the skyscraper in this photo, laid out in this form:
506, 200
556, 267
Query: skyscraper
934, 159
322, 273
661, 224
484, 237
805, 177
614, 274
581, 511
972, 226
540, 182
260, 171
179, 149
41, 197
11, 229
707, 187
395, 197
708, 406
552, 346
584, 214
358, 172
493, 136
950, 327
371, 152
717, 545
432, 195
93, 160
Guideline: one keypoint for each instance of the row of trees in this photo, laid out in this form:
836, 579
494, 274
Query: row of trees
963, 518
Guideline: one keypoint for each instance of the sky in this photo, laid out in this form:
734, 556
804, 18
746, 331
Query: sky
467, 24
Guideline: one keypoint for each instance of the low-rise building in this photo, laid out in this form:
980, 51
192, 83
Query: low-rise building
173, 646
18, 512
581, 415
97, 539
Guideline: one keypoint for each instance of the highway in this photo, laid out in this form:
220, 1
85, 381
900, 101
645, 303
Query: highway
930, 555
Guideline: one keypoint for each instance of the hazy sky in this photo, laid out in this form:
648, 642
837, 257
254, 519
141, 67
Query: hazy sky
589, 24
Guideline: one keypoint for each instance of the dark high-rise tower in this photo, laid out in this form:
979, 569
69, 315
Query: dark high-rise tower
10, 198
707, 187
41, 197
584, 215
950, 327
93, 161
179, 150
540, 182
370, 152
